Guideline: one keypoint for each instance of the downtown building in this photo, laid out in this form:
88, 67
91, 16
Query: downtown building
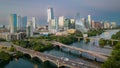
12, 36
17, 23
34, 23
80, 25
17, 28
89, 21
52, 22
106, 25
29, 29
61, 23
113, 24
13, 23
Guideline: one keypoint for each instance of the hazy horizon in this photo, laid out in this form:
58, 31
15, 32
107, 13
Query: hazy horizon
100, 10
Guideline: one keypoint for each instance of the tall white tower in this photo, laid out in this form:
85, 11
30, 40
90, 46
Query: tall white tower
50, 17
34, 22
61, 22
50, 14
89, 20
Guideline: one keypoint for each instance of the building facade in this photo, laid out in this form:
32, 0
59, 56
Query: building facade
13, 23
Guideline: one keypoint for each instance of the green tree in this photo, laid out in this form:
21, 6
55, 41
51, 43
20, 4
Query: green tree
114, 60
4, 56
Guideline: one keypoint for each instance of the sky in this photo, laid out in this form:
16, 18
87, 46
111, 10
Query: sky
100, 10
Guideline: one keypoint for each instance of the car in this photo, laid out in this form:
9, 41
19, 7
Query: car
61, 57
73, 64
66, 59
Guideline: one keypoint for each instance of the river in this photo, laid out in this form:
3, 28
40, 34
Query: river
28, 63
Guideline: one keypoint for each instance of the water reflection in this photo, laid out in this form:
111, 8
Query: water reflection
35, 66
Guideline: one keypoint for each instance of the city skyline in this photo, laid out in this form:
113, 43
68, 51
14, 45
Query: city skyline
99, 10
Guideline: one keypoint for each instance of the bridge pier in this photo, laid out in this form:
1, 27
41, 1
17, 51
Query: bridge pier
112, 42
69, 50
107, 42
58, 64
95, 58
93, 41
60, 48
80, 53
85, 40
78, 39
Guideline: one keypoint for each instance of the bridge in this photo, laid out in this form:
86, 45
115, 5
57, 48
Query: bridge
93, 39
95, 54
97, 38
57, 60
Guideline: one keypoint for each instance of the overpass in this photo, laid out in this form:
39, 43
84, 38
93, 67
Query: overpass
95, 54
56, 60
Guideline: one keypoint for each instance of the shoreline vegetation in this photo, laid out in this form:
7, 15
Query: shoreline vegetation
116, 36
114, 60
95, 32
7, 54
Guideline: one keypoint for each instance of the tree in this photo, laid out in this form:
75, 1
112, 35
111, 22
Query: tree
4, 56
114, 60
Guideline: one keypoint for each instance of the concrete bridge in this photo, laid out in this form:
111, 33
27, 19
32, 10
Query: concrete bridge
95, 54
93, 39
56, 60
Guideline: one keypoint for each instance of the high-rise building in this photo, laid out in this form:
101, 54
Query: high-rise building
97, 25
50, 17
34, 22
89, 20
61, 22
24, 22
29, 29
19, 22
66, 24
54, 26
113, 24
93, 24
79, 25
106, 25
84, 22
13, 23
50, 14
72, 23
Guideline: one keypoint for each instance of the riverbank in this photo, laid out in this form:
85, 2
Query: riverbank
114, 60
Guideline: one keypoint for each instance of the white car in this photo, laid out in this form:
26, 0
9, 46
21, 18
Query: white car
73, 64
61, 57
66, 59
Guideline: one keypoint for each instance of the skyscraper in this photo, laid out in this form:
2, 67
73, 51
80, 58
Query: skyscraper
54, 26
93, 24
89, 20
106, 25
19, 22
34, 22
29, 29
61, 22
79, 25
24, 22
72, 23
50, 17
113, 24
50, 14
67, 24
13, 23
